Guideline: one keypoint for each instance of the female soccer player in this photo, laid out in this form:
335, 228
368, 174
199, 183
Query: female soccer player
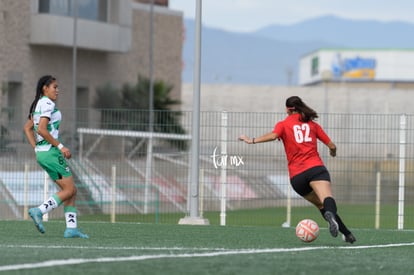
308, 174
42, 132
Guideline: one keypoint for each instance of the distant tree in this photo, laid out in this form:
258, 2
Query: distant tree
5, 112
108, 100
129, 108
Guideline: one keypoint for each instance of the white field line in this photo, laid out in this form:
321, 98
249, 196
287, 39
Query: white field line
112, 247
53, 263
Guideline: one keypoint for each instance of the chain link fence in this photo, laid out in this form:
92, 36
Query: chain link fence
124, 172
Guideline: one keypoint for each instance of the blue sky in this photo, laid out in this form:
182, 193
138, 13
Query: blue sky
250, 15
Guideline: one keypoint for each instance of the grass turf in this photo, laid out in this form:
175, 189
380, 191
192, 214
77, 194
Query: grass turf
354, 216
133, 248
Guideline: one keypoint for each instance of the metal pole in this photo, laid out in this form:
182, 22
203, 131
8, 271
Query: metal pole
74, 71
195, 142
193, 187
223, 172
45, 193
401, 178
378, 201
113, 194
148, 172
201, 208
26, 192
288, 221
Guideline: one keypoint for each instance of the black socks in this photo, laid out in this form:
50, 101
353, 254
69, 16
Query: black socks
329, 204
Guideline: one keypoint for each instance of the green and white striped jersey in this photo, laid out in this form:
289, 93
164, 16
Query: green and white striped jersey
46, 108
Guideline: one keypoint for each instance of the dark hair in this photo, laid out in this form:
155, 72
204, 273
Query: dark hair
295, 103
43, 81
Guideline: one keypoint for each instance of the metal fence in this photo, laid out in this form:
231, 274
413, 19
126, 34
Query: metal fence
123, 170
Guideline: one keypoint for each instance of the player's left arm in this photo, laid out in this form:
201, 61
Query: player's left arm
322, 136
42, 130
332, 148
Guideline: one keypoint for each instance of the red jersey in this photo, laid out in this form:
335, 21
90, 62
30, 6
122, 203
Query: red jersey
300, 141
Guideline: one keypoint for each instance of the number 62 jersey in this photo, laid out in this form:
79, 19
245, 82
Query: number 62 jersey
300, 141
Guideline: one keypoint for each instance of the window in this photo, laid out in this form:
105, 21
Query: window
14, 103
82, 107
87, 9
314, 66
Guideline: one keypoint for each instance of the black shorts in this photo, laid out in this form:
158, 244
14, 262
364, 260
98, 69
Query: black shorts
300, 182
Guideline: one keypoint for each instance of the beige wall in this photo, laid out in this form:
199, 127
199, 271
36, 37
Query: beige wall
14, 37
94, 68
167, 51
339, 99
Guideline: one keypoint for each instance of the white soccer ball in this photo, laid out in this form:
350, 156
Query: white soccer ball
307, 230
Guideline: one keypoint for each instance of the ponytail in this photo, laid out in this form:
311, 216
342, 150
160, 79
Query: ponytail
43, 81
295, 103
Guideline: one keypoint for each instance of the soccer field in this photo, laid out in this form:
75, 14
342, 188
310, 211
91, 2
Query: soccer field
132, 248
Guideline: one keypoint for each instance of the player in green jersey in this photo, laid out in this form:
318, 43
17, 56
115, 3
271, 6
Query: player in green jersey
42, 132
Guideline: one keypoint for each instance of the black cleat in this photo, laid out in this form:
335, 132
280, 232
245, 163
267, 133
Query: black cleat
349, 238
333, 225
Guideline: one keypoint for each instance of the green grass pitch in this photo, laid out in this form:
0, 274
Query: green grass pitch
144, 248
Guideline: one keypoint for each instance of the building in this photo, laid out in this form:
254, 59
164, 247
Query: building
156, 2
112, 45
370, 68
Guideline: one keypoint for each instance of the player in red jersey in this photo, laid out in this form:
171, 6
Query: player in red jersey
308, 174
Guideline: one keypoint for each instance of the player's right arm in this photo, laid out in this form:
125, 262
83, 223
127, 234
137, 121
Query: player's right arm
264, 138
29, 132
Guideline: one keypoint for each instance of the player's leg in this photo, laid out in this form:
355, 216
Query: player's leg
313, 185
342, 227
322, 189
49, 161
314, 199
324, 199
69, 192
348, 236
37, 213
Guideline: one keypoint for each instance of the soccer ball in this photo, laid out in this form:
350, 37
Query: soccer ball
307, 230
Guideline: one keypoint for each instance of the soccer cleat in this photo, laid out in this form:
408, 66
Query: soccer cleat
37, 217
333, 225
74, 233
350, 238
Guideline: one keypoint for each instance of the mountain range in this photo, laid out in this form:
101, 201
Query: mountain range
270, 55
